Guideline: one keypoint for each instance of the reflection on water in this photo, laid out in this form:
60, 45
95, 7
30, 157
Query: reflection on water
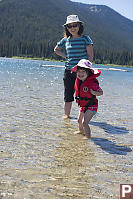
40, 157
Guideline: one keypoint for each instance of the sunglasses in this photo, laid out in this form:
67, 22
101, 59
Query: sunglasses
74, 26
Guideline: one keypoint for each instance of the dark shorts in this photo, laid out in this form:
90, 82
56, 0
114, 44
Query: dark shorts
69, 81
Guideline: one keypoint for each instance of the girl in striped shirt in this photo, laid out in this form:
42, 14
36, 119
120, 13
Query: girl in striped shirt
77, 46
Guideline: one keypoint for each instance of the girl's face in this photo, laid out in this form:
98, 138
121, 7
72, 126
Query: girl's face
73, 28
82, 74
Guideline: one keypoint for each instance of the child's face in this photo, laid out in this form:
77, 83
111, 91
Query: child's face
82, 74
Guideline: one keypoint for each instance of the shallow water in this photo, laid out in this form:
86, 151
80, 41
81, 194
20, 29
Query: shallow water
40, 157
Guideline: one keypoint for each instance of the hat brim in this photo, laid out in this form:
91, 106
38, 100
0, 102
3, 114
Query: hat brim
72, 22
95, 71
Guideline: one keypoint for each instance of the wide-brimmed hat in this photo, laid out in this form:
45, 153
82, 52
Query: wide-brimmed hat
72, 19
84, 63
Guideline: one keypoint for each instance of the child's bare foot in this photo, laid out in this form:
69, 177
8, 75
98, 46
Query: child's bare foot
78, 132
87, 136
66, 117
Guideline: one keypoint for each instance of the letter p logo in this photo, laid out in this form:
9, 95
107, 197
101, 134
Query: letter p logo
126, 191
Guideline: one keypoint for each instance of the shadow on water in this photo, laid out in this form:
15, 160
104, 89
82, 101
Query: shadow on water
111, 147
107, 145
108, 128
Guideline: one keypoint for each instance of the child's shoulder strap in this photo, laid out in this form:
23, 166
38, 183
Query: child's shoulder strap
96, 81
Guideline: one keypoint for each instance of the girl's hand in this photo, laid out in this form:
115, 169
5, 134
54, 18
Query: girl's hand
59, 52
97, 93
92, 92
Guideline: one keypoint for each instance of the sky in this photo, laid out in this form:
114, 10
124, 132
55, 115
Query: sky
123, 7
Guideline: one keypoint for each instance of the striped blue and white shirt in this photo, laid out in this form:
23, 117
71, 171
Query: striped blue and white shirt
75, 49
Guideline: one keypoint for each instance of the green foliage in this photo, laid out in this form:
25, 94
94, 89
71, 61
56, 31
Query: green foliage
113, 57
31, 28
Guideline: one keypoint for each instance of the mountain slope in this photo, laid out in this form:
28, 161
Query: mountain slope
27, 24
107, 27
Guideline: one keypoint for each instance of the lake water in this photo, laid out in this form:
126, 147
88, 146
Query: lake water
40, 157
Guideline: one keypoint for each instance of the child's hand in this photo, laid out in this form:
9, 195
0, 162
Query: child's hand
92, 92
97, 93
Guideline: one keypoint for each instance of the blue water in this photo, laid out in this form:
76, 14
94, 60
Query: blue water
40, 157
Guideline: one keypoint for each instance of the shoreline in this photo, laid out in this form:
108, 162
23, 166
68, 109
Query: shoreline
54, 60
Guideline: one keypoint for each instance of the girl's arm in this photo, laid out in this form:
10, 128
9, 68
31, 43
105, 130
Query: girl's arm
90, 52
97, 93
59, 52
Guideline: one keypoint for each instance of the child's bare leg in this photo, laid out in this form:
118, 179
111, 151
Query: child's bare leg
80, 121
87, 117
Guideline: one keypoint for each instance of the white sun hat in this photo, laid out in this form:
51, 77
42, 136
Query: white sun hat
84, 63
72, 19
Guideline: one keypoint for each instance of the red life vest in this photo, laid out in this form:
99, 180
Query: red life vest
84, 97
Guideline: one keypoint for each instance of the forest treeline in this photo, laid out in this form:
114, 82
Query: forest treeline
32, 28
46, 50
